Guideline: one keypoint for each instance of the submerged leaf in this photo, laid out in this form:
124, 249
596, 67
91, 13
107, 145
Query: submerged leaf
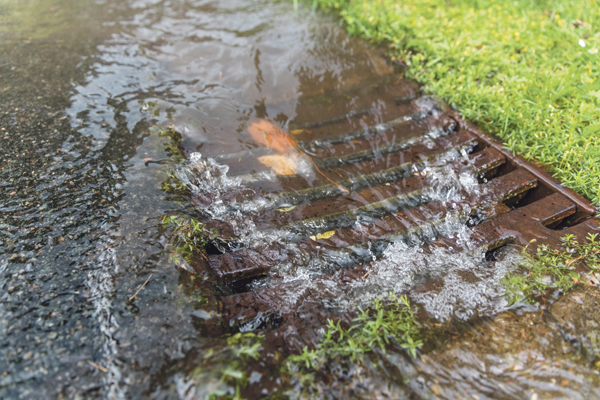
324, 235
286, 209
267, 134
282, 165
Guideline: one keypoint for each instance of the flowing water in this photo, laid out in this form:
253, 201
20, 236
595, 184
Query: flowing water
93, 303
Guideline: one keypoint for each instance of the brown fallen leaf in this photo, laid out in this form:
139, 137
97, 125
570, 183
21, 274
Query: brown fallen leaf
267, 134
282, 165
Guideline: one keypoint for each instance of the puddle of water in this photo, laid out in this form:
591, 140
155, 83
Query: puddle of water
83, 84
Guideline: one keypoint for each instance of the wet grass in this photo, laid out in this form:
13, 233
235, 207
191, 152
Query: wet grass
173, 145
173, 185
526, 71
383, 324
190, 237
229, 366
553, 269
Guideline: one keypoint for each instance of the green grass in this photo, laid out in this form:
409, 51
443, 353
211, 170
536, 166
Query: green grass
383, 324
514, 67
229, 365
173, 185
173, 146
552, 269
190, 237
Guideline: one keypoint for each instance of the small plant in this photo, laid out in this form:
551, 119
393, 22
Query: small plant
173, 146
190, 236
230, 364
243, 347
174, 185
374, 328
553, 269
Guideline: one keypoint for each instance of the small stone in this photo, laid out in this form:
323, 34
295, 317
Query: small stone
28, 355
52, 335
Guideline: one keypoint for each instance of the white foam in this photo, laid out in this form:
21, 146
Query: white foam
404, 265
206, 175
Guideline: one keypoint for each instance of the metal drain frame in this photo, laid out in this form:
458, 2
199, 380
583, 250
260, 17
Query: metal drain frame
547, 183
546, 214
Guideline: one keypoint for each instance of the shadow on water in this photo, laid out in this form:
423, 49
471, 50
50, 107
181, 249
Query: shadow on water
83, 85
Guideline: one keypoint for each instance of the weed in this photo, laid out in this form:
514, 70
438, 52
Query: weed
552, 269
374, 328
173, 185
173, 146
526, 71
230, 364
190, 236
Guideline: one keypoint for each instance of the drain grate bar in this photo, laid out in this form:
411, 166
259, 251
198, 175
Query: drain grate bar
428, 111
366, 241
529, 226
382, 150
253, 309
381, 199
420, 158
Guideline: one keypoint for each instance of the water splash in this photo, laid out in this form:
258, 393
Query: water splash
205, 175
465, 284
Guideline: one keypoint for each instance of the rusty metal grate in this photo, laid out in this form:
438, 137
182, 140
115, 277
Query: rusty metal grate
383, 166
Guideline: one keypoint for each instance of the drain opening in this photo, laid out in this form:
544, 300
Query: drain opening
422, 182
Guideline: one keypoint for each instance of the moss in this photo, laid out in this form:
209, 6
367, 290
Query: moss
173, 146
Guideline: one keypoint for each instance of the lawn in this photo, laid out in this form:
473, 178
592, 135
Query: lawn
525, 71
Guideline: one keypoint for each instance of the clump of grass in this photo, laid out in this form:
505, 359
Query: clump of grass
173, 146
230, 365
526, 71
376, 327
552, 269
190, 237
173, 185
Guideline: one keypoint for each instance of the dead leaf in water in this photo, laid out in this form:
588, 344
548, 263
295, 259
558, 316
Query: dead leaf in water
296, 131
267, 134
282, 165
286, 209
324, 235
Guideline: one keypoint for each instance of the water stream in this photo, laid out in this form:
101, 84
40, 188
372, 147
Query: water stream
84, 86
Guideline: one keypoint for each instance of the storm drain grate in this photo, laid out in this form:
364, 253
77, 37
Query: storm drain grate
407, 179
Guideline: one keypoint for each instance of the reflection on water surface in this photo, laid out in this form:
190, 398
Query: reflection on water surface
83, 86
